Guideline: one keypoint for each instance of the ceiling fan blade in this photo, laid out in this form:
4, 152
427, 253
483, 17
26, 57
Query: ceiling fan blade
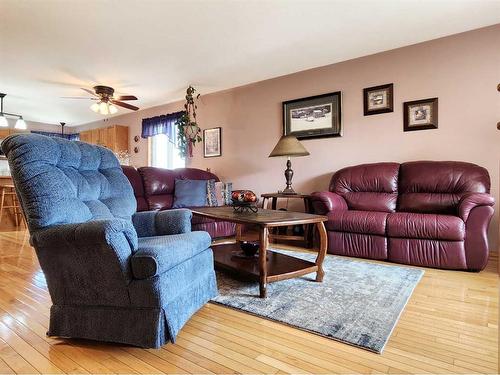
78, 97
89, 91
125, 97
125, 105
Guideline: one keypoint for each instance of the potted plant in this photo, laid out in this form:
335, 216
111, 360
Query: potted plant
188, 131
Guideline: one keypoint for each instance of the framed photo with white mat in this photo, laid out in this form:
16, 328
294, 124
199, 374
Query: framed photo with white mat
212, 142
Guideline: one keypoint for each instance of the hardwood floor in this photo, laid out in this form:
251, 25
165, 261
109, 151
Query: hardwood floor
450, 325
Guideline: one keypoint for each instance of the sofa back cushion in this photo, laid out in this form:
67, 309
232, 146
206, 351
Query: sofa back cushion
159, 187
159, 184
135, 179
437, 186
64, 182
368, 187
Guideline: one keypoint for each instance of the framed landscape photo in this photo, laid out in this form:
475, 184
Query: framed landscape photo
420, 114
378, 99
313, 117
212, 142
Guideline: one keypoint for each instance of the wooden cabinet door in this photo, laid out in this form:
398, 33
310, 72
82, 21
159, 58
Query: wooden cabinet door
86, 136
121, 138
94, 136
4, 133
103, 137
111, 138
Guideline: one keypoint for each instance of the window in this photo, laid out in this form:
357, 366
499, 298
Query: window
164, 153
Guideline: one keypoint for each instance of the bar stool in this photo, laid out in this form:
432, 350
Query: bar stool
6, 192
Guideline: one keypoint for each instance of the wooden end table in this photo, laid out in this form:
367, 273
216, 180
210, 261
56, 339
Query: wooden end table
270, 266
308, 233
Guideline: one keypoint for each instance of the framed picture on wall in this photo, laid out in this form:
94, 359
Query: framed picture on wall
313, 117
378, 99
420, 114
212, 142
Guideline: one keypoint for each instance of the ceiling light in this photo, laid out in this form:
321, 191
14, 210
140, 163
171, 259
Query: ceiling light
112, 109
95, 107
104, 108
20, 124
3, 121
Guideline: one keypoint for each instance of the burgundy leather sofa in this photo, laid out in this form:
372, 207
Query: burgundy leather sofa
425, 213
154, 190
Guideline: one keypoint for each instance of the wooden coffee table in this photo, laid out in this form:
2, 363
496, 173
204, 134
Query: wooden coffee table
270, 266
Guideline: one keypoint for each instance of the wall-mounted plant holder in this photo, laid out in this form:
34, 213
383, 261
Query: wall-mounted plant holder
136, 139
136, 150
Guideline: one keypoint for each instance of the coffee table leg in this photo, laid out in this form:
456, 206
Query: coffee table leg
238, 232
321, 251
264, 244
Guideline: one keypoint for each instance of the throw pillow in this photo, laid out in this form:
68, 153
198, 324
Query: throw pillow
190, 193
223, 192
211, 194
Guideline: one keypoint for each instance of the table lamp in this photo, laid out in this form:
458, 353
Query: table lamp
288, 146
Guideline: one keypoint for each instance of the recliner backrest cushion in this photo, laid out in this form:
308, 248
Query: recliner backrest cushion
368, 187
437, 186
63, 182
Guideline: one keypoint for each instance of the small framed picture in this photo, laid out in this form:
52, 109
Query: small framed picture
420, 114
313, 117
378, 99
212, 142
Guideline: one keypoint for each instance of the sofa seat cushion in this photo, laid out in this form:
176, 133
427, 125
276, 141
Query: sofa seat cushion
366, 222
425, 226
158, 254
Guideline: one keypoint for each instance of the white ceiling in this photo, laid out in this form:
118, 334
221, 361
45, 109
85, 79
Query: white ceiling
153, 49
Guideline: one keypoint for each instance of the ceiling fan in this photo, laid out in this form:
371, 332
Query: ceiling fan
106, 101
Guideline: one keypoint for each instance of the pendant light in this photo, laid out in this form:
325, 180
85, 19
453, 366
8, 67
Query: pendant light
20, 123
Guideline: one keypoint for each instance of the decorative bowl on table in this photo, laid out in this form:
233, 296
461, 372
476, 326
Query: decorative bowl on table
244, 201
249, 248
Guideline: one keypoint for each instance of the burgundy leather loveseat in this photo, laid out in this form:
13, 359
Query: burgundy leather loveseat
154, 190
425, 213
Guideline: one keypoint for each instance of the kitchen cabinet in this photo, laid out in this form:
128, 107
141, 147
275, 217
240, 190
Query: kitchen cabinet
86, 136
113, 137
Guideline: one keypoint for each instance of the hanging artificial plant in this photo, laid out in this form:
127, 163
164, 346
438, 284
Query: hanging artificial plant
188, 131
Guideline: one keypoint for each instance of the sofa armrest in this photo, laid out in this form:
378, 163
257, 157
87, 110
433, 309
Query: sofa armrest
326, 201
471, 201
161, 223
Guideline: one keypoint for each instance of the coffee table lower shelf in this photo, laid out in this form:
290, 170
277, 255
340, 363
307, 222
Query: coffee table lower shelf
279, 266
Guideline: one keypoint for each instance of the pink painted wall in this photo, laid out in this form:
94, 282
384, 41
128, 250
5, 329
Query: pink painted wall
461, 70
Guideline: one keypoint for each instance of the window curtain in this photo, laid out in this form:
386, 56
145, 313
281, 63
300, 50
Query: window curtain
164, 124
71, 137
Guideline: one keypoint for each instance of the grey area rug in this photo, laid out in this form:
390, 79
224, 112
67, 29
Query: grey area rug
358, 303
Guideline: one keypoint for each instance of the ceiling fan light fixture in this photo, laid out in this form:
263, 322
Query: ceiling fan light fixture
104, 108
3, 121
95, 107
112, 109
20, 124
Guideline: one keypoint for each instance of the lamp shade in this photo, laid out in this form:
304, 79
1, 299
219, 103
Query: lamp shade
288, 145
20, 124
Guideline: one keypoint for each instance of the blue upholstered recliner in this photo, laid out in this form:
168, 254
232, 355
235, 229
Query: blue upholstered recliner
113, 274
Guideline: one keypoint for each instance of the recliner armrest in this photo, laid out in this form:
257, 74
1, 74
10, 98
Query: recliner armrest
150, 261
90, 232
326, 201
160, 223
472, 200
